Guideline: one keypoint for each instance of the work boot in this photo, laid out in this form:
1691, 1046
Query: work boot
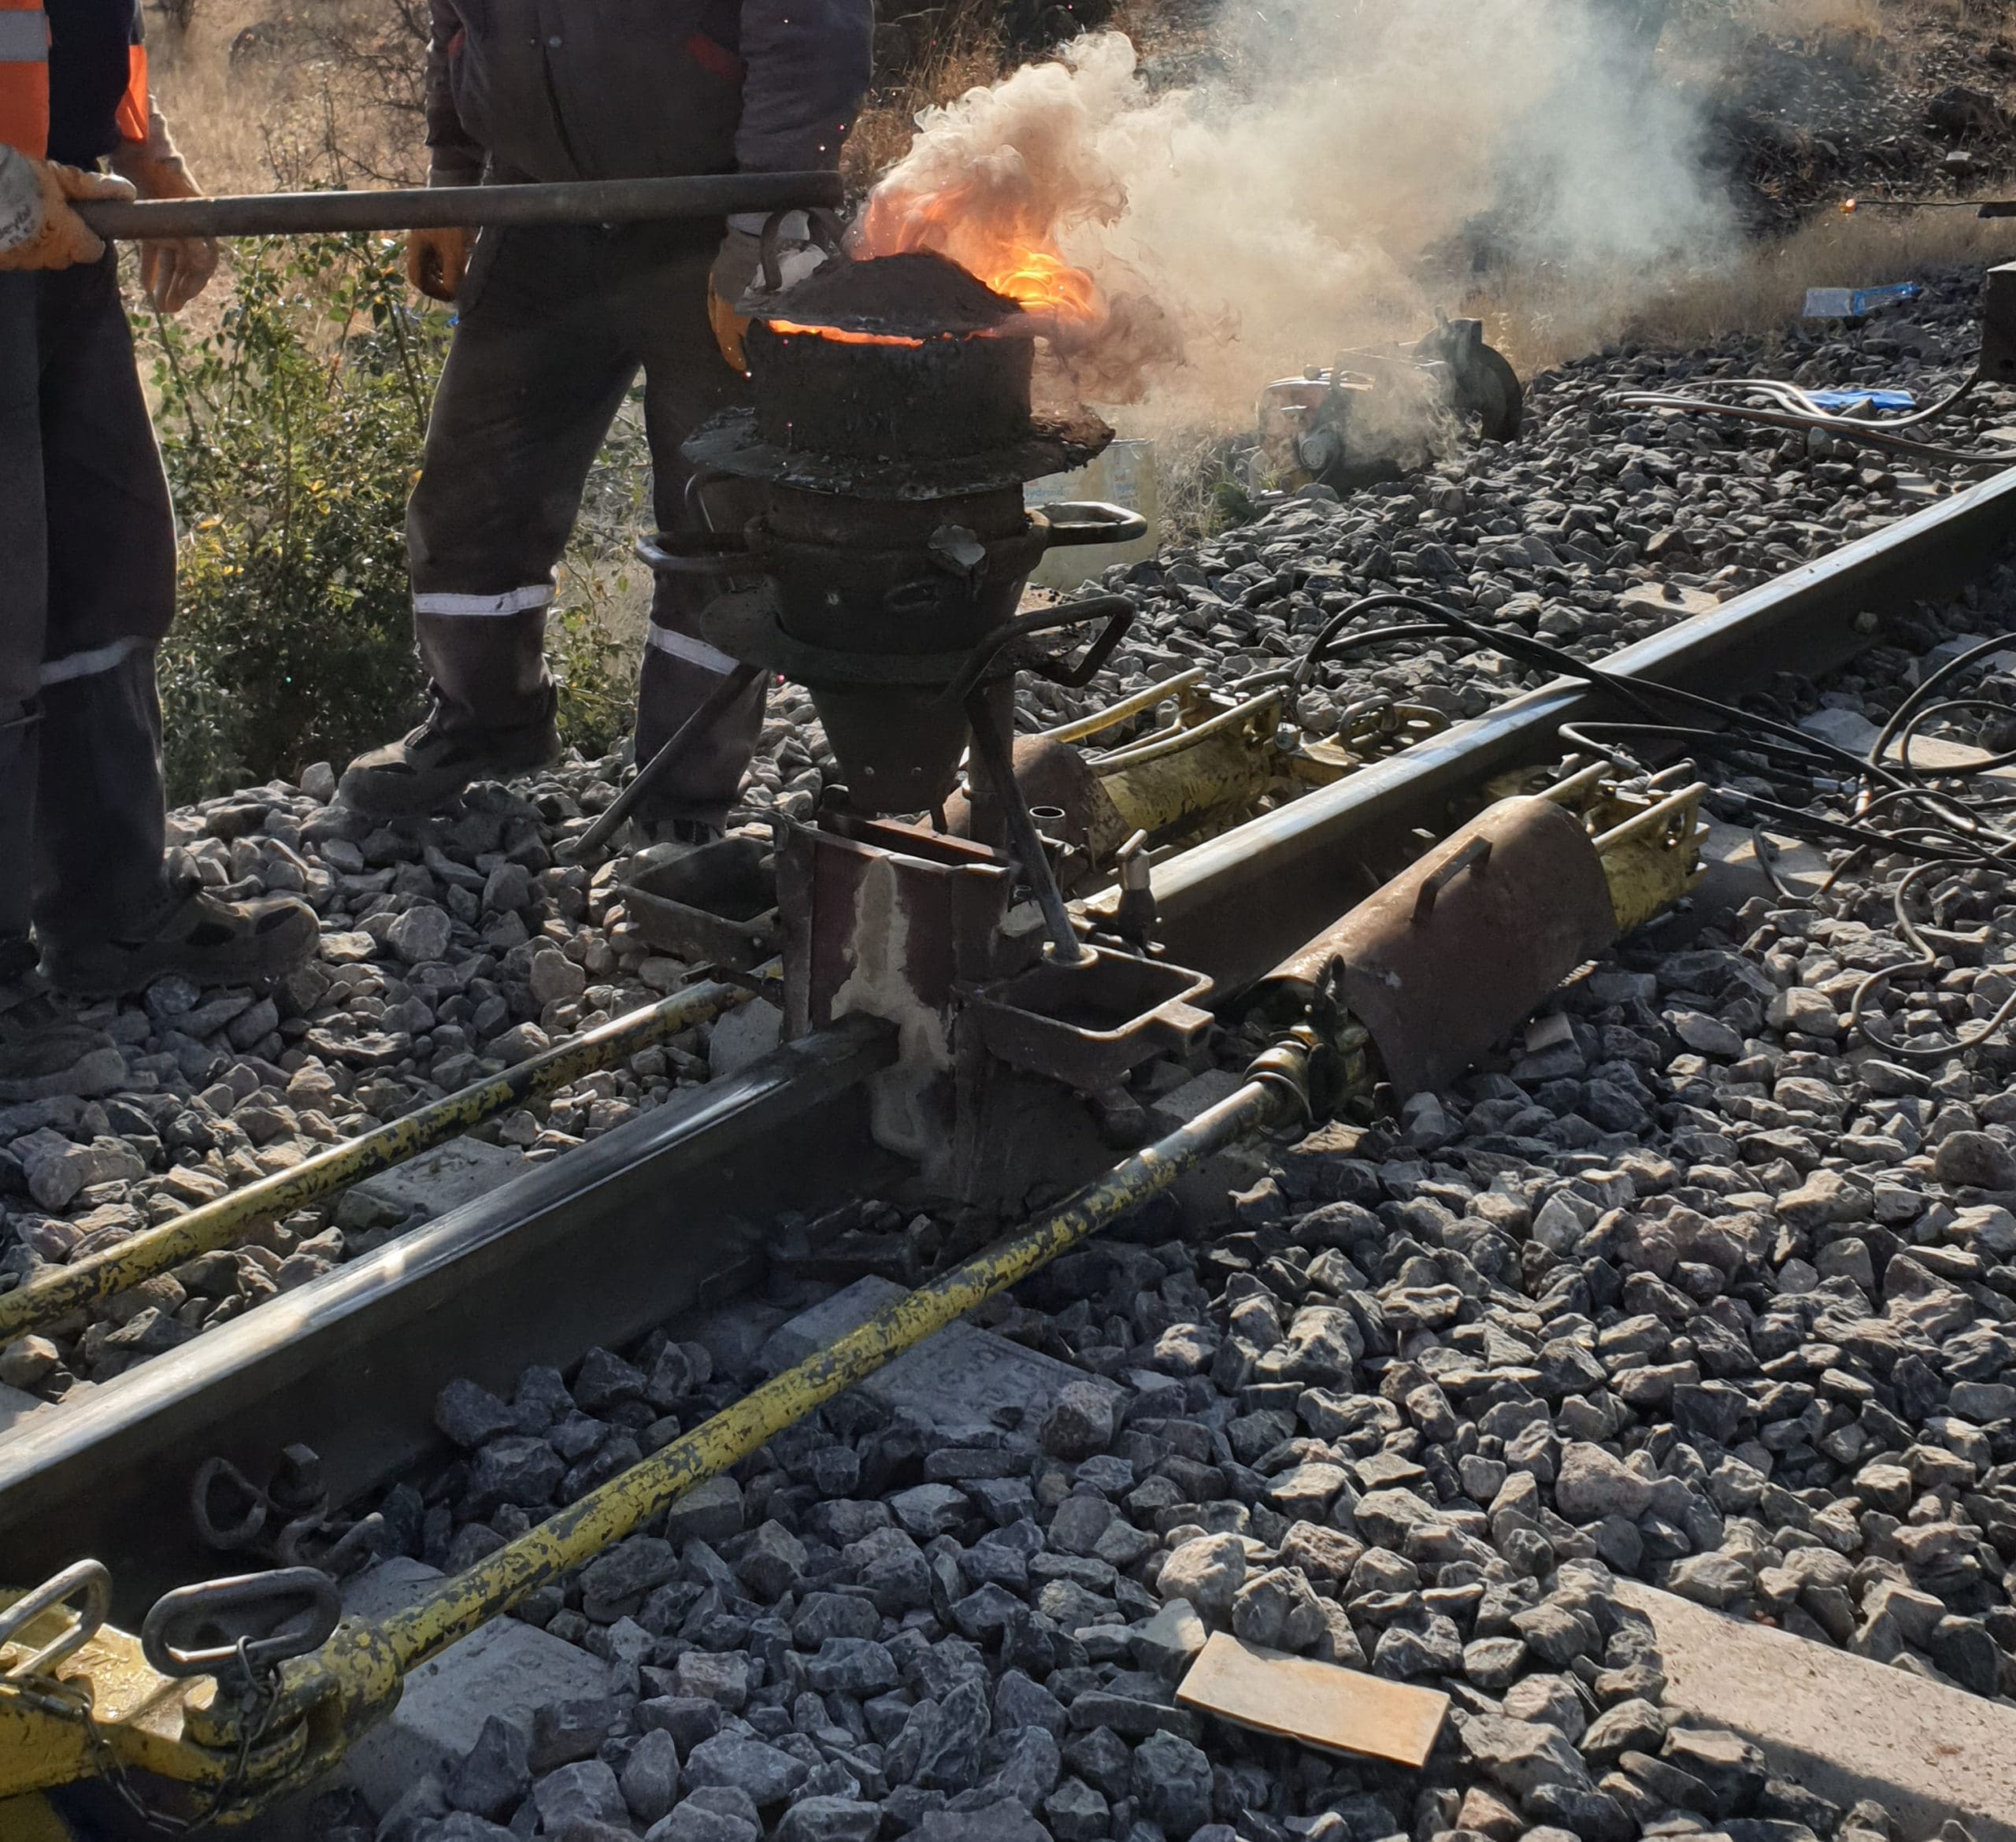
44, 1050
207, 941
429, 771
668, 839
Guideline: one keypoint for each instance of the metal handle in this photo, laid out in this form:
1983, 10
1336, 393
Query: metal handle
291, 1610
695, 552
823, 227
718, 702
1116, 610
91, 1579
1070, 523
1474, 855
610, 201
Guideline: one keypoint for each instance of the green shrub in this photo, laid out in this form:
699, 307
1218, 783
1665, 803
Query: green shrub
292, 436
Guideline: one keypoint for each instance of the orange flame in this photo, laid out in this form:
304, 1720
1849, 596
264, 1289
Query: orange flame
1012, 252
841, 336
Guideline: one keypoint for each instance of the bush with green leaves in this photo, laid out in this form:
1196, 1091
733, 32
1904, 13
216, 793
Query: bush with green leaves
292, 436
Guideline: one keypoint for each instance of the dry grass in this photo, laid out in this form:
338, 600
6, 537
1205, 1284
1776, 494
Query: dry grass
1808, 19
1759, 292
329, 98
1987, 18
965, 52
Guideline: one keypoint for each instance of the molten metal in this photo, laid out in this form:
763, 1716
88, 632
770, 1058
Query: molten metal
841, 336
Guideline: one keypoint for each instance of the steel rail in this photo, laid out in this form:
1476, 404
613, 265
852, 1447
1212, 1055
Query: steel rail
608, 200
63, 1289
1239, 903
660, 1214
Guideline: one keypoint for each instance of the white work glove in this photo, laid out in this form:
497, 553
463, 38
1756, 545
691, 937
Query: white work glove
38, 228
798, 255
737, 288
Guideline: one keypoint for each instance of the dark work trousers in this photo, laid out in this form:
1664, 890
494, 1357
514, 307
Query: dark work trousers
555, 325
87, 591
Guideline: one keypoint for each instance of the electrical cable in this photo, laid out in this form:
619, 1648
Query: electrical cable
1927, 961
1845, 427
1792, 397
1936, 827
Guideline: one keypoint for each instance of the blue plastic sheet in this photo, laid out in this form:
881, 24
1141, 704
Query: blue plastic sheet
1878, 399
1852, 303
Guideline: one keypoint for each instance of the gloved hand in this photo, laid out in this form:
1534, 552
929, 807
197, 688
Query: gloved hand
738, 273
437, 260
736, 269
173, 270
38, 228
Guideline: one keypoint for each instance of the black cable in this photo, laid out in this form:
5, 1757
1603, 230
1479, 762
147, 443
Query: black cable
1954, 834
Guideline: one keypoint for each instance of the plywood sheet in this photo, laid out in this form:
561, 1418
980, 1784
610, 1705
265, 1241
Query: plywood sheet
1336, 1709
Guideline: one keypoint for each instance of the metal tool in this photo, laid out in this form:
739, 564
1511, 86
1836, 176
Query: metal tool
605, 201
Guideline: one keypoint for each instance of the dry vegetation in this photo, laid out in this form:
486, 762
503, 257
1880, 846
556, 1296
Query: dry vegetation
1760, 292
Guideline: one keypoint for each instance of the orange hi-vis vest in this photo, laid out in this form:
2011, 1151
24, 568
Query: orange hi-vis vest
25, 77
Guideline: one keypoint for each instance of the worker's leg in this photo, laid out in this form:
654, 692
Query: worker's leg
100, 818
24, 588
686, 380
109, 914
540, 364
42, 1048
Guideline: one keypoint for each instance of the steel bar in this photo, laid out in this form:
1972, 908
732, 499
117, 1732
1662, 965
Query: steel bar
231, 1218
719, 699
1238, 904
993, 754
607, 201
597, 1246
359, 1656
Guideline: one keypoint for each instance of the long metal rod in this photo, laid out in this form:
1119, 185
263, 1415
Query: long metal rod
1241, 902
608, 201
359, 1657
716, 703
231, 1218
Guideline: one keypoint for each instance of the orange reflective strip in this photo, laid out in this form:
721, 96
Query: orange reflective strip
131, 116
25, 77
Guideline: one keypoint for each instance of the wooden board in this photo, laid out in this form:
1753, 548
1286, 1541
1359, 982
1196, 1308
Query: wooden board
1336, 1709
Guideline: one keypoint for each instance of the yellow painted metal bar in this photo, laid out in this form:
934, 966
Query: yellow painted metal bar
354, 1678
1171, 741
230, 1218
1094, 721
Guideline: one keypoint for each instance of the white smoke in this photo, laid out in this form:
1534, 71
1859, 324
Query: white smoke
1335, 182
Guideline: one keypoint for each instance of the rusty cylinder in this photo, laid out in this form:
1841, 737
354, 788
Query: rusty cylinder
1443, 960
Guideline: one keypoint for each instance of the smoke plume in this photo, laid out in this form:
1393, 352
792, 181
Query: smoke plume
1348, 168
